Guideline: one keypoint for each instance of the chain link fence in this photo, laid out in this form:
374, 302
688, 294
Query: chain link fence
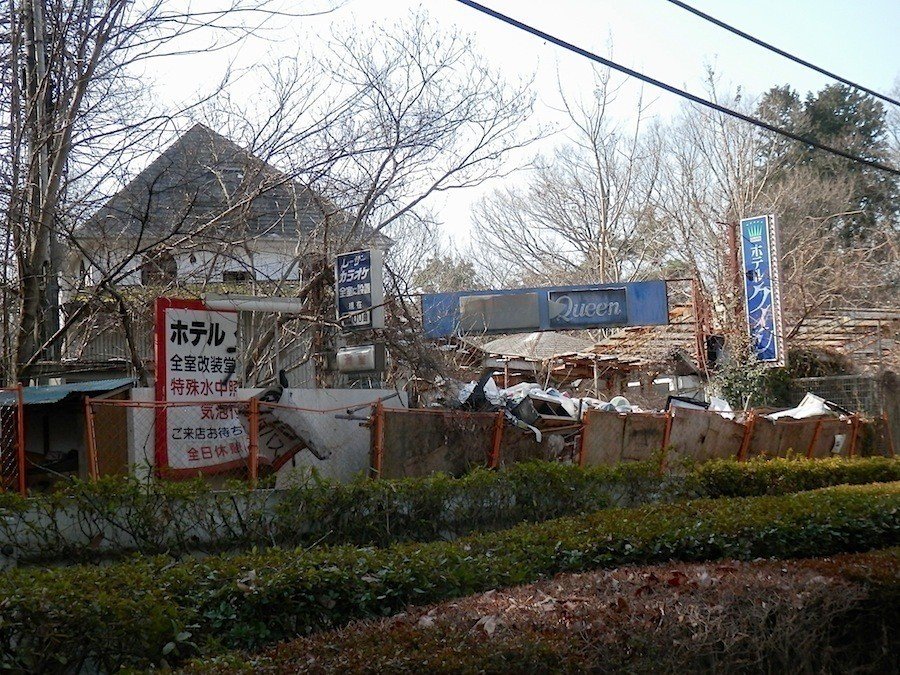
254, 440
173, 440
856, 393
250, 440
12, 441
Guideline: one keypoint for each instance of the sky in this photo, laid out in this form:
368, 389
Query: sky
858, 40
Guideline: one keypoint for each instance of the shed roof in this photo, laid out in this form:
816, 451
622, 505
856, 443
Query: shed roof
869, 338
536, 346
54, 393
637, 346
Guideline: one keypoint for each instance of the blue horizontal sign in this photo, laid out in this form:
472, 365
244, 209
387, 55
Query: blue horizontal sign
640, 303
587, 309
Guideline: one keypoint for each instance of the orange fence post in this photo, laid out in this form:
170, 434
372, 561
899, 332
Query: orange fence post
497, 439
815, 437
253, 420
20, 437
748, 432
93, 464
377, 438
584, 425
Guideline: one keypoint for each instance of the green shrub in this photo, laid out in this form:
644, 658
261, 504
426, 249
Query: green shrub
113, 516
728, 478
144, 611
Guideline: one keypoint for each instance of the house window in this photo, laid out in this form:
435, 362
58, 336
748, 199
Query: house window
159, 268
237, 275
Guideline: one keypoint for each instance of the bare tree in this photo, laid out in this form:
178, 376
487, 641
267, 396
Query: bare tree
712, 178
719, 170
340, 152
70, 70
584, 214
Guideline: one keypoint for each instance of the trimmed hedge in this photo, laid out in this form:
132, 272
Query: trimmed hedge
148, 611
113, 516
728, 478
823, 615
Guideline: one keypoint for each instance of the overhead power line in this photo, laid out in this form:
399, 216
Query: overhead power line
781, 52
679, 92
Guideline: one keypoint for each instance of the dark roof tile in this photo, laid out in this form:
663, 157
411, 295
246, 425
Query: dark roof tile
206, 185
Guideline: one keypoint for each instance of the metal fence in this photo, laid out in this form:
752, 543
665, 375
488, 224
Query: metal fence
857, 393
248, 440
252, 440
12, 441
173, 440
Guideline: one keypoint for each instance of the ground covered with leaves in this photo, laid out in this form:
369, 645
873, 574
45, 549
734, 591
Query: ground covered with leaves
823, 615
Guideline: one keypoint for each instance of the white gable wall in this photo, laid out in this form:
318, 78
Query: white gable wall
269, 260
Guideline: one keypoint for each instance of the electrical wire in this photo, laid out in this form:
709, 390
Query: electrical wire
781, 52
678, 92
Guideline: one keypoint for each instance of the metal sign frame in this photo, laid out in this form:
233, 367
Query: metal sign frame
524, 310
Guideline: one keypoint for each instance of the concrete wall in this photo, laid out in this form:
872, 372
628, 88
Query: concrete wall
344, 444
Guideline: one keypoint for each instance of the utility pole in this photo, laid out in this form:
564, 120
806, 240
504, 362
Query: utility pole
48, 322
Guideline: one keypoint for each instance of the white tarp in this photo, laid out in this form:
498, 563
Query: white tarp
810, 406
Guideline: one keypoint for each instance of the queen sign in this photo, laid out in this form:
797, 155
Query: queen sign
762, 291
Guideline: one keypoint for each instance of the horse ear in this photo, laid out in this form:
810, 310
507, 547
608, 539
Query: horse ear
282, 379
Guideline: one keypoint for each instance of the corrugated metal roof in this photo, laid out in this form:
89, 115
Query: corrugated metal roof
54, 393
536, 346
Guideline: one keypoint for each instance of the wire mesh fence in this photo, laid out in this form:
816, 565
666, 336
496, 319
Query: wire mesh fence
172, 440
249, 440
856, 393
267, 438
12, 441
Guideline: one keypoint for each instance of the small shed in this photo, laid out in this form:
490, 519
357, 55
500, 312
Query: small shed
54, 427
646, 364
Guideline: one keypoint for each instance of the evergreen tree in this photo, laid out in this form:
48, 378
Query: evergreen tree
845, 118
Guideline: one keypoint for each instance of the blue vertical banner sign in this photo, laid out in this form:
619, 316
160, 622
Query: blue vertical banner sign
359, 287
762, 288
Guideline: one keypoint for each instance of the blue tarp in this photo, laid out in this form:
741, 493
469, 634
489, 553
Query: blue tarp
54, 393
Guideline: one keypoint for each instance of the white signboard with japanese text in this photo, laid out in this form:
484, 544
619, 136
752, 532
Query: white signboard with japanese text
197, 363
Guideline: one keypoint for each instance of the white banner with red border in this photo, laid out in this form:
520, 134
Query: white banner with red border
198, 373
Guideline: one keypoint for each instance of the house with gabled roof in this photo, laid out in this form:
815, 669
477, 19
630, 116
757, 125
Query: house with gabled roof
206, 216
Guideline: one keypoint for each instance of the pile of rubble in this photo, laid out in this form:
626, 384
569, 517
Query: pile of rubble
530, 406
